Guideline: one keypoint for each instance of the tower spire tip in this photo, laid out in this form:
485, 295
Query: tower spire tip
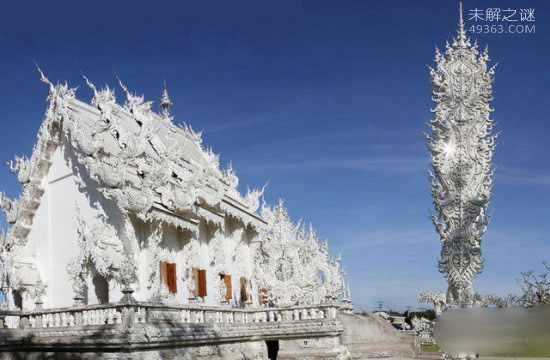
165, 102
461, 39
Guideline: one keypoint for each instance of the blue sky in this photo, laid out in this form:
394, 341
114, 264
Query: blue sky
328, 101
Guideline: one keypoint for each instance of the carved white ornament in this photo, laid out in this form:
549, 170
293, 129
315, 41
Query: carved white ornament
153, 253
438, 299
39, 291
461, 145
422, 325
150, 165
23, 167
291, 264
489, 300
161, 174
98, 244
8, 277
191, 259
222, 291
30, 171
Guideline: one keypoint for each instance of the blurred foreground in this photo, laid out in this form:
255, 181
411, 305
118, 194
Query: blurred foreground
514, 332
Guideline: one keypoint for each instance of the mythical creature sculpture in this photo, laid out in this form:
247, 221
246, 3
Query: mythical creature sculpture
22, 167
422, 325
104, 100
217, 253
222, 291
6, 262
153, 253
252, 198
438, 299
191, 259
229, 177
39, 291
461, 145
98, 244
10, 208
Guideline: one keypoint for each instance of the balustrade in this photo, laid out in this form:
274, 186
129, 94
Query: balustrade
116, 314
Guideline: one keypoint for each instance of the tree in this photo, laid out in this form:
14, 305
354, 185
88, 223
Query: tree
535, 287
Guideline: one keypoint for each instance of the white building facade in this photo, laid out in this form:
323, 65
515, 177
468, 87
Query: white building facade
119, 202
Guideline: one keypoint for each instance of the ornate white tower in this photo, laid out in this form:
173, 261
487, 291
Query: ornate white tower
461, 145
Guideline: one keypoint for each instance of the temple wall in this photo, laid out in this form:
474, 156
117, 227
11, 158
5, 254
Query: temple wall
174, 242
38, 241
204, 261
238, 243
63, 195
54, 230
54, 238
174, 248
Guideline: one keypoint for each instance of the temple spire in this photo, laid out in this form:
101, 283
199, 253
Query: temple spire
165, 103
461, 39
461, 142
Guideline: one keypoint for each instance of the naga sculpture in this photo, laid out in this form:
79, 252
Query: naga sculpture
22, 167
461, 146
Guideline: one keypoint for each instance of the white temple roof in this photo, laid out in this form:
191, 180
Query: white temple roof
140, 159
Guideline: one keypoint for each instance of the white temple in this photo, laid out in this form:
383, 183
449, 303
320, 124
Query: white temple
119, 201
129, 241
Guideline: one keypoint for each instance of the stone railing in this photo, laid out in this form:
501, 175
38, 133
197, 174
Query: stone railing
120, 314
149, 326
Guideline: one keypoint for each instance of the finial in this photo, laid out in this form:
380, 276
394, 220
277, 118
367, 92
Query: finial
165, 103
460, 15
44, 79
129, 96
89, 83
461, 39
124, 88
